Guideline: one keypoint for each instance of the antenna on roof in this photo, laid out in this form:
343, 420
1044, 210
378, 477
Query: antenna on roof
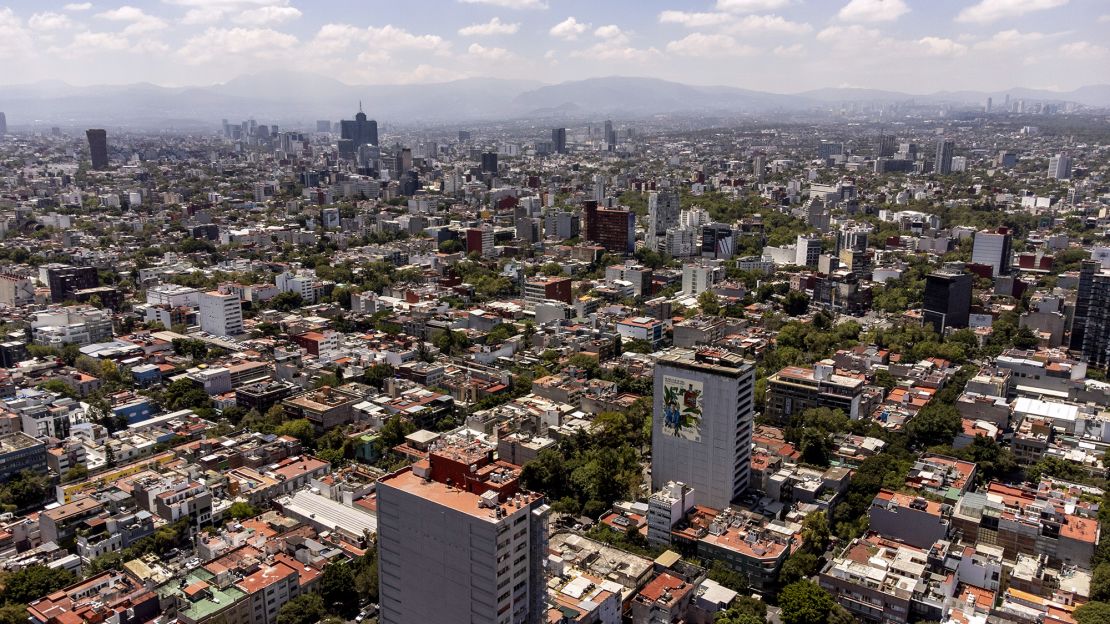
360, 106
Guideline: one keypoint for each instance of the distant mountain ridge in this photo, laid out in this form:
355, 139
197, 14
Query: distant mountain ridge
297, 99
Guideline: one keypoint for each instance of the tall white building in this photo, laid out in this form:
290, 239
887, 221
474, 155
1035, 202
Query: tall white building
460, 542
1059, 167
702, 436
220, 314
993, 248
306, 285
807, 251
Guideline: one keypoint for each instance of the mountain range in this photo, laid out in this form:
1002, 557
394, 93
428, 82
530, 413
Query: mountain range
298, 99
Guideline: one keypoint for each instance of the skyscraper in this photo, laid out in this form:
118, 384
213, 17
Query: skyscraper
1087, 271
460, 541
361, 131
489, 162
1096, 334
1059, 166
612, 228
945, 148
947, 300
98, 148
323, 125
559, 139
993, 248
702, 434
3, 124
886, 146
663, 211
610, 135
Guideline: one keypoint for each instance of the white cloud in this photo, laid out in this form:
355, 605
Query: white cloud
940, 46
49, 20
493, 27
270, 15
78, 6
227, 43
853, 38
693, 20
702, 45
1008, 39
510, 4
791, 51
204, 15
758, 24
15, 40
391, 37
1084, 50
994, 10
568, 29
612, 34
488, 54
873, 10
751, 6
85, 41
1104, 19
138, 22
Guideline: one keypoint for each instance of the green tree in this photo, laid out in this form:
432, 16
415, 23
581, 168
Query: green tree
815, 533
304, 609
797, 567
937, 422
1100, 583
25, 490
795, 303
1094, 612
366, 574
13, 613
744, 610
736, 581
335, 588
377, 375
709, 303
300, 429
240, 510
34, 582
804, 602
185, 394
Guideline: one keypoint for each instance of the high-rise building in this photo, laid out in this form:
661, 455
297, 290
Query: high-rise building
1059, 166
1087, 271
459, 540
1007, 160
828, 149
489, 162
886, 146
663, 212
610, 135
947, 300
807, 251
612, 228
703, 434
717, 241
559, 140
3, 124
360, 130
993, 248
323, 125
98, 148
945, 149
220, 314
64, 281
1096, 334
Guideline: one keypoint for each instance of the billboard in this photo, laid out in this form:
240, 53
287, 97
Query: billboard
682, 407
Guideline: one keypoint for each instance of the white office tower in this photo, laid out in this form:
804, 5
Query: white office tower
1059, 167
807, 251
702, 431
663, 213
220, 314
458, 541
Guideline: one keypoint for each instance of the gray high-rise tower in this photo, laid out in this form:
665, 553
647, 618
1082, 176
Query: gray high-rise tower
702, 431
945, 148
98, 148
559, 139
3, 124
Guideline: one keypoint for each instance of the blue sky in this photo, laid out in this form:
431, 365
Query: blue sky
775, 45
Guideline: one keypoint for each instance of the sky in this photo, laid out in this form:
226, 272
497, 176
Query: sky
784, 46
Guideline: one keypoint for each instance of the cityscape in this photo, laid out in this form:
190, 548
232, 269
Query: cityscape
552, 312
